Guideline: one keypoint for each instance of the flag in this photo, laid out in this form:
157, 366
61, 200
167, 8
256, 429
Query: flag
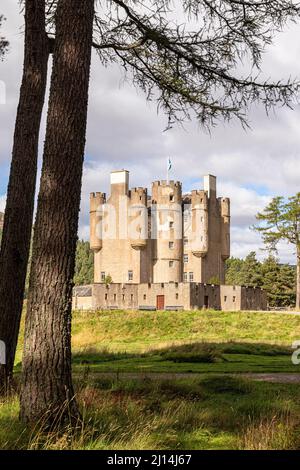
169, 164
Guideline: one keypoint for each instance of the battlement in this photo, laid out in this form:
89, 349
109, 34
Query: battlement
138, 195
165, 183
199, 197
98, 196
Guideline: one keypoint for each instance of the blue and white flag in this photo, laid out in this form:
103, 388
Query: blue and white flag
169, 164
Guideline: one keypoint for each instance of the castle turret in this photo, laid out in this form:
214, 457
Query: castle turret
138, 218
96, 214
225, 227
167, 231
199, 226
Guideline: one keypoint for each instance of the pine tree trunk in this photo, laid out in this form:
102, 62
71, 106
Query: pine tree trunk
47, 389
22, 181
298, 280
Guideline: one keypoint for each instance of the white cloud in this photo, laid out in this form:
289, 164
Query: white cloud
2, 203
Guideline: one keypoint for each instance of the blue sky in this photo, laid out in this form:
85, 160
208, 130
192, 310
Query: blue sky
124, 131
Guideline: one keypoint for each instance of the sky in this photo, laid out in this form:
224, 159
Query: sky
125, 131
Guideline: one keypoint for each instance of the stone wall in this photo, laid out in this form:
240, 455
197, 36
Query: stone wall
173, 296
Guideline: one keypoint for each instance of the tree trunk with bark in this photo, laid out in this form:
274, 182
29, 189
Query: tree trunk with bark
22, 182
47, 390
298, 279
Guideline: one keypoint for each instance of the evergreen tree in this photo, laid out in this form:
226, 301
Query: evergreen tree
280, 221
250, 274
233, 271
84, 267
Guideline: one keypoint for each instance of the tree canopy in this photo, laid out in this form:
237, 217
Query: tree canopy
193, 62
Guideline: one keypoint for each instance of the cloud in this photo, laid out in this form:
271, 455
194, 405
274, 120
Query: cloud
2, 203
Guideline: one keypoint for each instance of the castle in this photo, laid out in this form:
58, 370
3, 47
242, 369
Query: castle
166, 250
166, 237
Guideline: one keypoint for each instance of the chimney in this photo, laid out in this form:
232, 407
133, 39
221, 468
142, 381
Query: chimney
210, 185
119, 182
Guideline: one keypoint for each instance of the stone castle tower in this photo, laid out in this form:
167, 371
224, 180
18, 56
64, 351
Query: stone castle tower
159, 238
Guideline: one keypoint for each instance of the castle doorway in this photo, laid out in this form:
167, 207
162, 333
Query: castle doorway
160, 302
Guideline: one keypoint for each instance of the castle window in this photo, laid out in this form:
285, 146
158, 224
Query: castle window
103, 276
171, 197
131, 297
185, 241
145, 297
130, 275
106, 296
176, 285
177, 296
123, 296
225, 298
185, 258
171, 264
171, 245
191, 277
185, 277
115, 296
233, 298
162, 285
171, 224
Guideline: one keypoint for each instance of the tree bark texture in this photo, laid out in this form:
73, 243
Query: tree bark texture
47, 390
22, 182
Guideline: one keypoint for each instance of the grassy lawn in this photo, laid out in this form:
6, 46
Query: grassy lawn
215, 342
207, 411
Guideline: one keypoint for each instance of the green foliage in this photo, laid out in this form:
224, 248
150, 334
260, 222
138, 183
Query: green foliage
278, 280
108, 280
280, 221
84, 267
214, 280
207, 412
245, 272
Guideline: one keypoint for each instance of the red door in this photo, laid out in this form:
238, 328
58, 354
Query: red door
160, 302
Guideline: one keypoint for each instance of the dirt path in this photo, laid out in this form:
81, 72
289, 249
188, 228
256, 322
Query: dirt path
261, 377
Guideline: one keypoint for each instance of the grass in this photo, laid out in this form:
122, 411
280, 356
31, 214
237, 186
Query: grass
208, 411
202, 341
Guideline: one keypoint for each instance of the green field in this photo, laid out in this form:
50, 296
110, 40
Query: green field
205, 409
210, 342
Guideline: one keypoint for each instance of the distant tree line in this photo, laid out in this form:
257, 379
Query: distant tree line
278, 280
